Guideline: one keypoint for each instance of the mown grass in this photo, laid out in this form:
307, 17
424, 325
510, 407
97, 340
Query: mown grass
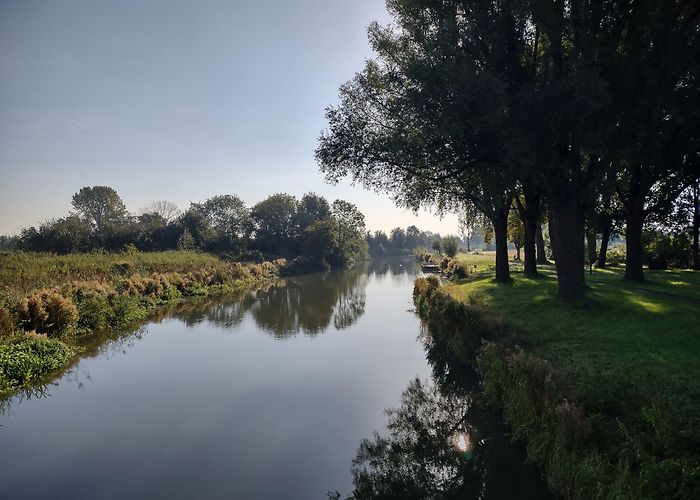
49, 304
621, 331
618, 370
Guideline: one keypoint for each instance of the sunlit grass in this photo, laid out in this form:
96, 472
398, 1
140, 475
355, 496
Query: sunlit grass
628, 332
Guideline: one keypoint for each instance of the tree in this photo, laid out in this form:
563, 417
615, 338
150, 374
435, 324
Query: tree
186, 241
272, 221
167, 210
516, 232
397, 240
470, 222
450, 245
311, 208
413, 237
100, 206
350, 232
228, 218
426, 120
378, 243
657, 84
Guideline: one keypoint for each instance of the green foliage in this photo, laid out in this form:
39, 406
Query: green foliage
25, 361
450, 245
273, 222
186, 241
100, 206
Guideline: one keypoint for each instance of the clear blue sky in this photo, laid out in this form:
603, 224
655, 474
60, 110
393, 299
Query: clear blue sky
176, 100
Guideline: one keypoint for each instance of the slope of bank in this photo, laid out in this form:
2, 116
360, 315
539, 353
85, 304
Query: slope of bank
50, 303
604, 392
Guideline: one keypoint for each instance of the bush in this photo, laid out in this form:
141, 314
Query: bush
48, 312
616, 255
25, 361
456, 271
450, 245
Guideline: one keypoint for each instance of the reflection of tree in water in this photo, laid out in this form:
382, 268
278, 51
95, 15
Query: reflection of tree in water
308, 303
444, 443
225, 311
426, 454
394, 266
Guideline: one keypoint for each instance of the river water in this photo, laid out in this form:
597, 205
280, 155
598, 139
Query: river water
267, 395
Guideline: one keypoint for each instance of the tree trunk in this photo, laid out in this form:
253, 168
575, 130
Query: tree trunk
696, 225
529, 214
539, 242
551, 232
591, 246
634, 259
566, 231
500, 230
605, 239
530, 225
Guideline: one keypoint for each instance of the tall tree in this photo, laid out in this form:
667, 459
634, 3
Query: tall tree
100, 206
427, 120
228, 218
272, 220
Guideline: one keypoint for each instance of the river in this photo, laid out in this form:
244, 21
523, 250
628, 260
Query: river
266, 395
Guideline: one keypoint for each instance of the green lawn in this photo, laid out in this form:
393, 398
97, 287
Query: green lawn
640, 334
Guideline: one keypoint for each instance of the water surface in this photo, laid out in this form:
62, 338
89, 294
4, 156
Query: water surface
266, 395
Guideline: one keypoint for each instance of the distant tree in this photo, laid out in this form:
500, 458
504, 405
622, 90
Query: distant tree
378, 243
350, 231
273, 220
397, 240
228, 219
437, 246
8, 242
471, 223
197, 225
450, 245
413, 237
311, 208
163, 208
70, 234
186, 241
100, 206
516, 232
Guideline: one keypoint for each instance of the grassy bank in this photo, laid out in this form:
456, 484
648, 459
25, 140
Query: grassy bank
605, 392
49, 303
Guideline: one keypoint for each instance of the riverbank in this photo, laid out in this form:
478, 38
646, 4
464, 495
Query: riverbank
49, 304
604, 392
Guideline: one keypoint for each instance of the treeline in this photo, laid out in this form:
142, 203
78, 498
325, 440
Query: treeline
311, 228
567, 113
401, 241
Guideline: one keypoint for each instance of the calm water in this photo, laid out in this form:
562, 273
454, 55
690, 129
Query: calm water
263, 396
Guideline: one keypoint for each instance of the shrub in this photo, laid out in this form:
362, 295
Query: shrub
25, 361
49, 312
456, 271
616, 255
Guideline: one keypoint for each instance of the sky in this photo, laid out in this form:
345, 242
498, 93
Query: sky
176, 100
